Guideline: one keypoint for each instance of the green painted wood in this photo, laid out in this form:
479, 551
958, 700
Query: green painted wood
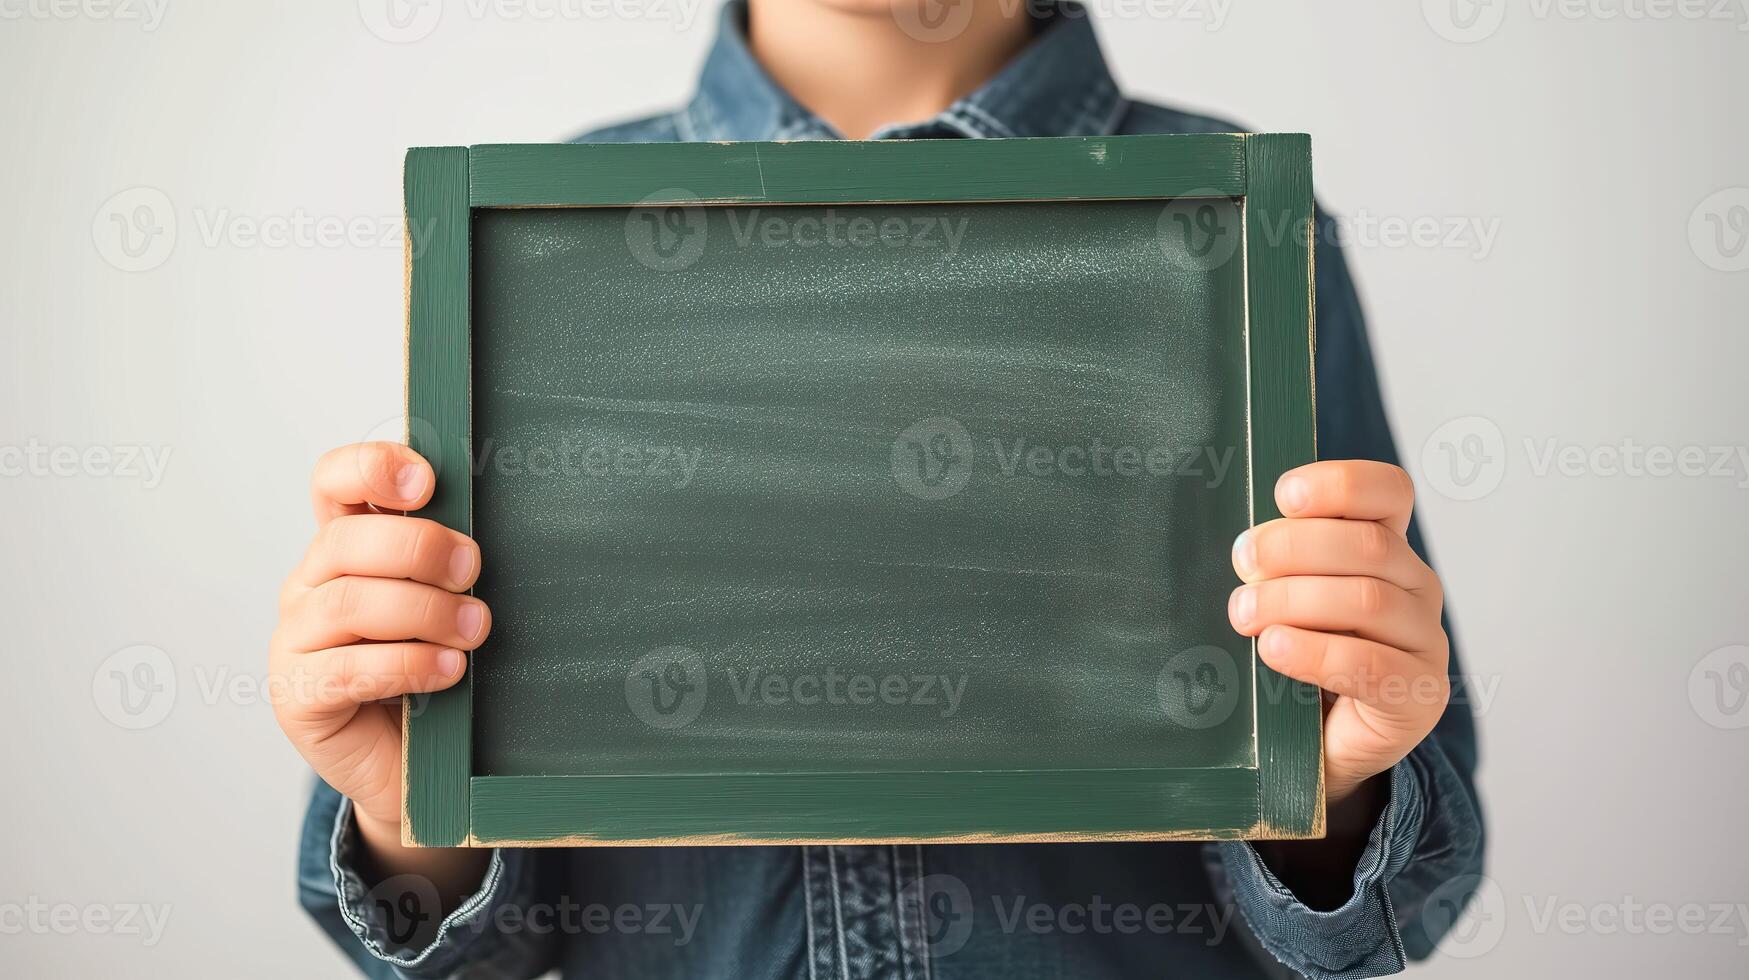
717, 445
1278, 223
438, 727
763, 808
815, 172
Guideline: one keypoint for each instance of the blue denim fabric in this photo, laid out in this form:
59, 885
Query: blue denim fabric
964, 912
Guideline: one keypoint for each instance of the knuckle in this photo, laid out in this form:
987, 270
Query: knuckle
1405, 486
422, 543
1374, 543
1441, 687
1311, 649
1275, 600
335, 537
1339, 483
1275, 548
428, 610
344, 673
1369, 596
377, 463
339, 600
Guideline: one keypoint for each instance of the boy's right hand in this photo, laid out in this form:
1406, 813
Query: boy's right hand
370, 614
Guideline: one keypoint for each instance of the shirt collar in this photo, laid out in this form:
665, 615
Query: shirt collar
1058, 85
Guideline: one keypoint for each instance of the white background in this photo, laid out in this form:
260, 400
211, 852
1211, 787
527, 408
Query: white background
1583, 314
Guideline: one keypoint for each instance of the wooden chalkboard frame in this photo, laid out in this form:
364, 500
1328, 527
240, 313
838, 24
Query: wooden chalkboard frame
1282, 796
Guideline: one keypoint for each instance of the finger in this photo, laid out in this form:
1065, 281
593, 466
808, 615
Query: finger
389, 546
1328, 546
352, 479
1357, 489
352, 608
1381, 676
347, 676
1359, 604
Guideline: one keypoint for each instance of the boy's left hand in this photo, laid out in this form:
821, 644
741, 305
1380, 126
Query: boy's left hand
1336, 598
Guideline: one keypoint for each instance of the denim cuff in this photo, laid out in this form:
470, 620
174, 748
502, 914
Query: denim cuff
1360, 939
394, 921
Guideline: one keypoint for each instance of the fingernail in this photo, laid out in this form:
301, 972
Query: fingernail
1244, 555
1272, 644
410, 481
469, 618
461, 565
1293, 495
1243, 607
449, 662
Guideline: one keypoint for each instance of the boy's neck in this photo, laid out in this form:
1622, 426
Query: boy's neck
855, 65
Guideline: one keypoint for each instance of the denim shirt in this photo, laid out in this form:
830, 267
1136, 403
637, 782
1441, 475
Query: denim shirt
952, 912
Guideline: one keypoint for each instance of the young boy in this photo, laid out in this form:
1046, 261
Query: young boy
1335, 592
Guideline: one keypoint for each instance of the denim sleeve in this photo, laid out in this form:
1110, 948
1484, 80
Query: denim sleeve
385, 929
1426, 850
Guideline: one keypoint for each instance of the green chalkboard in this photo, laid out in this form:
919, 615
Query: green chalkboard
857, 492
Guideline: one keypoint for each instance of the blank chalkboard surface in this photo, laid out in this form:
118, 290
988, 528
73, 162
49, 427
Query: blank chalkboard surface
857, 492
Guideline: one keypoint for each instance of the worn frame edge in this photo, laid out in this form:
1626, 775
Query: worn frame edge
437, 730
